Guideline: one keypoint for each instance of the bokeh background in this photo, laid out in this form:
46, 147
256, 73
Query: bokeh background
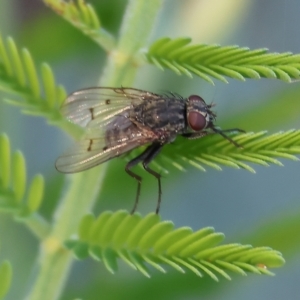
261, 209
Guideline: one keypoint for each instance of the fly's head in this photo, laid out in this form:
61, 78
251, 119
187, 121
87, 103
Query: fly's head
199, 116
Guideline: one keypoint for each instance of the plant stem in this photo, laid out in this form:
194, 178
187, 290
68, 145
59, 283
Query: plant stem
136, 28
105, 40
38, 226
80, 195
55, 260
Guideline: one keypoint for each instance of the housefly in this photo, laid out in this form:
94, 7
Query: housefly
117, 120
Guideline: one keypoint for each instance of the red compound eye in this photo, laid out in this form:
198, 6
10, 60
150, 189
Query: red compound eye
196, 98
196, 120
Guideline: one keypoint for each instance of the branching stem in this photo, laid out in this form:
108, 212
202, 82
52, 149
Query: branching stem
80, 194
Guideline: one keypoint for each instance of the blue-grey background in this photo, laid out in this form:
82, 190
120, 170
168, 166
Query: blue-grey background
235, 202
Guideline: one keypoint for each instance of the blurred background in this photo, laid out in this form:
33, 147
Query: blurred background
261, 209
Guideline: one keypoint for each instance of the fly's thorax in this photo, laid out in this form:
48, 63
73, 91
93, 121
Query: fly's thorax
198, 113
164, 115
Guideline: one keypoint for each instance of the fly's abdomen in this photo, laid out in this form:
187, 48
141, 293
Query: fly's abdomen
124, 134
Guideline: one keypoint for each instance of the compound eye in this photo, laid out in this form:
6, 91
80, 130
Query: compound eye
196, 98
196, 120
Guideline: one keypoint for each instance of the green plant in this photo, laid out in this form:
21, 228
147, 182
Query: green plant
138, 241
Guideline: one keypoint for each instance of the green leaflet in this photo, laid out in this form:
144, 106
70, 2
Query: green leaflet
83, 16
217, 61
18, 77
17, 196
5, 278
156, 243
214, 151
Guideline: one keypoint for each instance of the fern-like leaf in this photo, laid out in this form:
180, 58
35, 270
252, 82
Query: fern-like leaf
214, 151
208, 61
13, 184
19, 77
148, 241
83, 16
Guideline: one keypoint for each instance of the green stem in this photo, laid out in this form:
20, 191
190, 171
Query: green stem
105, 40
38, 226
80, 194
55, 260
135, 31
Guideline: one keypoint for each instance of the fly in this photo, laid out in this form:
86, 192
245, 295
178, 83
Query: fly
117, 120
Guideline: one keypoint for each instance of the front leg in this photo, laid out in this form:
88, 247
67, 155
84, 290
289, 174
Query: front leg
221, 132
195, 135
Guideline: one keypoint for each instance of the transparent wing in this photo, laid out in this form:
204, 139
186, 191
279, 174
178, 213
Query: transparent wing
97, 106
109, 132
92, 151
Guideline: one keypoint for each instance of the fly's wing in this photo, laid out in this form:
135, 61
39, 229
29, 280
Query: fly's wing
97, 147
109, 132
101, 104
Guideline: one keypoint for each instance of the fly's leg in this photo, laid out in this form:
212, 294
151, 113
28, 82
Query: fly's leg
221, 132
146, 157
138, 178
197, 135
155, 149
234, 129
